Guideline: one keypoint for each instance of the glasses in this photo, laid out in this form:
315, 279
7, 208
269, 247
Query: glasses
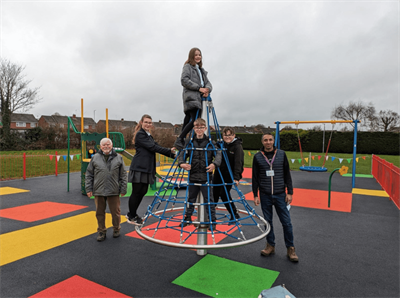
199, 127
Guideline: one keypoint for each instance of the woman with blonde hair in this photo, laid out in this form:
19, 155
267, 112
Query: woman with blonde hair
195, 86
143, 166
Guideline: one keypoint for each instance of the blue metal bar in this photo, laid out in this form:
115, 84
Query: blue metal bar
277, 137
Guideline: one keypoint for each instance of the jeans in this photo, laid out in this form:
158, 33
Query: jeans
277, 200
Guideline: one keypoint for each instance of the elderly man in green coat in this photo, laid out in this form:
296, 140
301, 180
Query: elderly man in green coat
106, 179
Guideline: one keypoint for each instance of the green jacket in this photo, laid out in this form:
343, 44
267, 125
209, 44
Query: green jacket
106, 178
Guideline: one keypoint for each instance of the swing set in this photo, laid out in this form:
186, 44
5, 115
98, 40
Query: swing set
322, 168
310, 168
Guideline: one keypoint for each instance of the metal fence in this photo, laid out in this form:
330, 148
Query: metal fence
388, 176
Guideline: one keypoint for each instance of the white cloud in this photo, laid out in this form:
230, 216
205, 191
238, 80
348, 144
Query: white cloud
267, 61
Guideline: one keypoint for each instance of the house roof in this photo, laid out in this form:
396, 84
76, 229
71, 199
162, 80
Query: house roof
58, 119
119, 123
16, 117
160, 124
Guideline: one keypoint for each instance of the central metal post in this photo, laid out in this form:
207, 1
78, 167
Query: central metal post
202, 236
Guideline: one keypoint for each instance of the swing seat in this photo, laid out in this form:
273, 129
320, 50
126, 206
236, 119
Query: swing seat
313, 169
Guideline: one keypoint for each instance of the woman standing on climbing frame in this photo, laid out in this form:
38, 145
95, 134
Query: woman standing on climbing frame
143, 167
195, 86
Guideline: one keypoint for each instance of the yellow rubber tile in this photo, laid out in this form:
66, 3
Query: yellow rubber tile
11, 190
27, 242
370, 192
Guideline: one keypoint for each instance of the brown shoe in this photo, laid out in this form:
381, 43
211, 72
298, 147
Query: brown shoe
292, 254
101, 236
116, 234
269, 249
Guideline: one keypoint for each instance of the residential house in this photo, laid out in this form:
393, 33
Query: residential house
62, 122
22, 122
116, 125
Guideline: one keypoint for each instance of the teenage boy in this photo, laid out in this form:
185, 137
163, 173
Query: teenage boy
201, 167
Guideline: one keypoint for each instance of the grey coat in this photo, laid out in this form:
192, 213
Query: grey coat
106, 178
191, 83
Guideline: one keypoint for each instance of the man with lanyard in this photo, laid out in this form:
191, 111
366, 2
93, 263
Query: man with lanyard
271, 178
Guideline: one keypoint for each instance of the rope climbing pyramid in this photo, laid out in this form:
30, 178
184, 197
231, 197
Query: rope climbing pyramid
165, 222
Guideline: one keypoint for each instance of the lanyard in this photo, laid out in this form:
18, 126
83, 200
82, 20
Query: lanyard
266, 159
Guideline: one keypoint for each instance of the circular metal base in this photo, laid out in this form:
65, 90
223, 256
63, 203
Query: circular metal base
208, 246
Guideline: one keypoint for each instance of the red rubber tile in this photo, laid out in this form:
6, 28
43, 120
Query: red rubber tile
38, 211
77, 286
172, 235
317, 199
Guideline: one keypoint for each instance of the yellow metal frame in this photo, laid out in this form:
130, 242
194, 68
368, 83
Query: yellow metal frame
297, 122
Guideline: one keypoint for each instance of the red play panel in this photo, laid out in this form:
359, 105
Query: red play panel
318, 199
38, 211
172, 235
247, 173
77, 286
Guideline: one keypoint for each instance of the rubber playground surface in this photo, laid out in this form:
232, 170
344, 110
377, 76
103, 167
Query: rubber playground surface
49, 248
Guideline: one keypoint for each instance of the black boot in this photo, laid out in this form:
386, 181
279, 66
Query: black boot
187, 221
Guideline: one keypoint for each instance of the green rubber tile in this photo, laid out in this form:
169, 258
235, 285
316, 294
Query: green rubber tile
219, 277
150, 192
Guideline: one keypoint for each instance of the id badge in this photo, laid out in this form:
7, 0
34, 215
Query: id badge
270, 173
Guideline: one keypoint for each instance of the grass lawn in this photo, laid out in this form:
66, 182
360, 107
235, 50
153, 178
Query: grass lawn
38, 163
42, 162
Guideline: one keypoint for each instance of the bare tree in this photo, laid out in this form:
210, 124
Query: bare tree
15, 95
316, 128
355, 111
386, 120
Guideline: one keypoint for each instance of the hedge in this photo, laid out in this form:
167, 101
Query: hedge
342, 142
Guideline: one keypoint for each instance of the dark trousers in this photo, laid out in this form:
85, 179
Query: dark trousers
193, 192
225, 194
139, 190
115, 210
190, 117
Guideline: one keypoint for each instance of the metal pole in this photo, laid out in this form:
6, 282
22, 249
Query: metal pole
329, 187
277, 138
202, 236
353, 180
68, 156
107, 123
323, 140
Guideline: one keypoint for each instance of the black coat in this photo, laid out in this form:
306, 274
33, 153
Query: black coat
235, 154
198, 173
144, 159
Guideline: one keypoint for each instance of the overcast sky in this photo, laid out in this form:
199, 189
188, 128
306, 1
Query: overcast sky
267, 60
